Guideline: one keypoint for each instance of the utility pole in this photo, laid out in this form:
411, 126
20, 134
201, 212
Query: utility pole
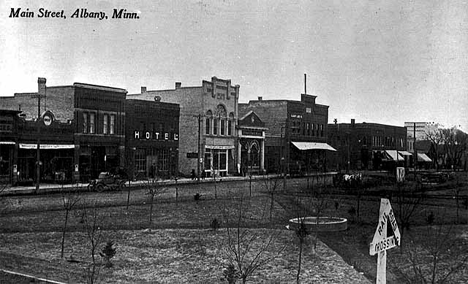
414, 150
199, 151
41, 92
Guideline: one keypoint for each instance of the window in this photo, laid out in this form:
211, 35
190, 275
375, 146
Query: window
208, 122
223, 127
92, 118
220, 122
112, 124
105, 123
231, 124
140, 161
308, 129
321, 130
215, 126
85, 122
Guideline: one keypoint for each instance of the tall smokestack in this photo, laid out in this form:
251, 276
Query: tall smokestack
41, 86
305, 83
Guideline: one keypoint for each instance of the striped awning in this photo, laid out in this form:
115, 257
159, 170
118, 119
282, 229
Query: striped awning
303, 146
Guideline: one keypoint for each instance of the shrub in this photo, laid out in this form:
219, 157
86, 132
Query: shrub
108, 252
214, 225
230, 274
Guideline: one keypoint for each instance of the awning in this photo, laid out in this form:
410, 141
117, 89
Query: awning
394, 156
405, 153
313, 146
423, 158
219, 147
47, 146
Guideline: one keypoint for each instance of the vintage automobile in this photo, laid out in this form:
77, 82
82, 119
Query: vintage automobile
107, 181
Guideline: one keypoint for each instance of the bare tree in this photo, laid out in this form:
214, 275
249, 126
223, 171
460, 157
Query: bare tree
320, 202
436, 138
70, 198
93, 222
408, 202
247, 250
153, 189
438, 257
301, 232
271, 186
455, 145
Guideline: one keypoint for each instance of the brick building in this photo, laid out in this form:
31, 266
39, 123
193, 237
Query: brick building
295, 141
208, 118
367, 146
251, 147
151, 138
86, 127
9, 121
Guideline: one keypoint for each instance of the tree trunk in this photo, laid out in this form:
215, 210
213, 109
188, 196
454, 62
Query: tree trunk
299, 262
151, 213
63, 232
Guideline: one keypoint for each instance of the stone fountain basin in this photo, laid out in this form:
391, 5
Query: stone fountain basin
320, 224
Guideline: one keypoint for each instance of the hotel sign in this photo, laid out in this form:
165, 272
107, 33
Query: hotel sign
149, 135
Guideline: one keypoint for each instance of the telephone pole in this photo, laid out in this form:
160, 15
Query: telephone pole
41, 92
199, 151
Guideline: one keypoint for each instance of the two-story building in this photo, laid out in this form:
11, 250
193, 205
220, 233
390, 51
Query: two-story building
151, 138
207, 124
81, 124
367, 146
296, 139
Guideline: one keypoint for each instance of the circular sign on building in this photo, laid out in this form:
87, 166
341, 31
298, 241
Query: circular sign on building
48, 118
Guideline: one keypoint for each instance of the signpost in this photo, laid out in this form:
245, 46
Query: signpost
400, 174
385, 238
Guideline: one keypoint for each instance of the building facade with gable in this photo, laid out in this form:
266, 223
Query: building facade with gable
207, 125
251, 146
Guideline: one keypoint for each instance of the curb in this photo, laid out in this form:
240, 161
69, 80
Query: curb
32, 277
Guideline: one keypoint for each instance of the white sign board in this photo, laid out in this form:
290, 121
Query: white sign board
381, 241
400, 174
384, 238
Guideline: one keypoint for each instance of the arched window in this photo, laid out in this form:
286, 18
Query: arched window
220, 120
231, 124
208, 122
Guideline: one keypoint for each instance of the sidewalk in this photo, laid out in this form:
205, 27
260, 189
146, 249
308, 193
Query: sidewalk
54, 188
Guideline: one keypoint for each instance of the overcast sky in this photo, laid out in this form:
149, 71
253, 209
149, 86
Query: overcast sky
375, 61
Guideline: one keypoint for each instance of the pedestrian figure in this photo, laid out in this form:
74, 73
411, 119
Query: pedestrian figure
193, 174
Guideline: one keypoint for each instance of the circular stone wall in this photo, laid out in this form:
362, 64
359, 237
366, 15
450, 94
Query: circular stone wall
320, 224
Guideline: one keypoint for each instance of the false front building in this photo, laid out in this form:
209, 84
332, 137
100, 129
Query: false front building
81, 131
207, 124
152, 138
296, 135
362, 146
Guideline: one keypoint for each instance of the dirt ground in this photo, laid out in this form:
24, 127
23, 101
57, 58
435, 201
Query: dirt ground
181, 247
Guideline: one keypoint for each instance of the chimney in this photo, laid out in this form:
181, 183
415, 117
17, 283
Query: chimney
260, 98
353, 122
177, 85
41, 86
143, 89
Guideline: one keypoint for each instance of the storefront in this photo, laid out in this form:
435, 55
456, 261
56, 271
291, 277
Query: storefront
251, 146
217, 159
56, 162
152, 139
